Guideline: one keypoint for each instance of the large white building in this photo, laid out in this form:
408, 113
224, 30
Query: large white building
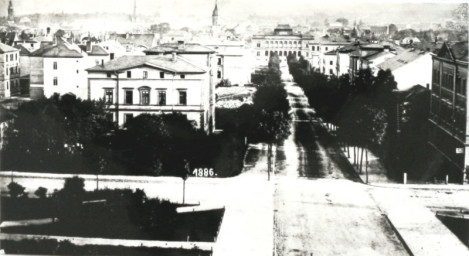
60, 68
284, 42
154, 84
9, 71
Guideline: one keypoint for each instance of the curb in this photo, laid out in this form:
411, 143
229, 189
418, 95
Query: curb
399, 236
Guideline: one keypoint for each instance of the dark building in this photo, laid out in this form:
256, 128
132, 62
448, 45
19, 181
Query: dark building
449, 134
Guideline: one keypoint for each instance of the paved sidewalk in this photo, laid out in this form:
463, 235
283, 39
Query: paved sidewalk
422, 232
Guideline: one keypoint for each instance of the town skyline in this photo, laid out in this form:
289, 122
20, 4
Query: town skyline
235, 12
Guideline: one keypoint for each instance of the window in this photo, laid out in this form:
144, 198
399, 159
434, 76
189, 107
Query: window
331, 72
162, 98
16, 56
129, 74
219, 61
258, 53
183, 76
258, 45
108, 74
55, 65
112, 56
218, 74
145, 74
129, 97
108, 96
55, 81
161, 74
144, 97
326, 48
182, 97
7, 70
7, 85
266, 53
331, 62
12, 71
313, 48
128, 117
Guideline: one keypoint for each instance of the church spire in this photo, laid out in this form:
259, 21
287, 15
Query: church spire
215, 14
10, 11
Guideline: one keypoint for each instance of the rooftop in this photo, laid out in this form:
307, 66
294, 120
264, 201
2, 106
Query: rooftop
181, 48
145, 40
59, 50
177, 65
401, 59
459, 51
6, 48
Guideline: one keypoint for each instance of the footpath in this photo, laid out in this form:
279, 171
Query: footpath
417, 226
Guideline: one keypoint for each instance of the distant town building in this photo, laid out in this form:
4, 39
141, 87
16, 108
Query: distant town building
154, 84
135, 43
283, 42
449, 134
10, 71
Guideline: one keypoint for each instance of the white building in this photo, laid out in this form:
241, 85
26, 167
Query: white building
283, 42
133, 85
410, 68
9, 71
60, 68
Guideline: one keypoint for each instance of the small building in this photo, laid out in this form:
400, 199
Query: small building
154, 84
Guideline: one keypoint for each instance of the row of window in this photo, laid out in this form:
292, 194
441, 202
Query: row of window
447, 79
144, 97
12, 70
282, 53
279, 42
11, 57
13, 83
144, 75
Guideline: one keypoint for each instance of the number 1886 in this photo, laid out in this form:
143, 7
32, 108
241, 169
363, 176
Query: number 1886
204, 172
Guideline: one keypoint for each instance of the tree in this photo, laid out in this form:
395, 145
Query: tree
344, 21
41, 192
15, 189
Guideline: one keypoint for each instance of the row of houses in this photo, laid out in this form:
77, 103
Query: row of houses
167, 77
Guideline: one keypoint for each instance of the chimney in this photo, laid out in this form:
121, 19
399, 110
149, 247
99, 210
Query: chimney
174, 58
181, 45
102, 63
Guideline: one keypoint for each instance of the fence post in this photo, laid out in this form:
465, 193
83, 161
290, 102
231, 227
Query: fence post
405, 178
446, 179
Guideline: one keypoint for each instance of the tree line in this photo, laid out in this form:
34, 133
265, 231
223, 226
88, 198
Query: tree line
368, 113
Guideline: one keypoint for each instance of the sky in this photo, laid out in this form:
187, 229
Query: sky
188, 11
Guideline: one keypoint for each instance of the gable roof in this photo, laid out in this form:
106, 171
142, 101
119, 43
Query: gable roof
177, 65
456, 51
59, 50
175, 47
401, 60
23, 50
6, 48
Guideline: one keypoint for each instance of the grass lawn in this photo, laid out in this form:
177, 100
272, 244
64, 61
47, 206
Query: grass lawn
25, 208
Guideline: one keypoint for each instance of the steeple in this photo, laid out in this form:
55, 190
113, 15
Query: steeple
134, 16
10, 11
215, 15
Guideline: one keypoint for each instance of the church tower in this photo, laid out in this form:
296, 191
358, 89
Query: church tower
215, 15
10, 11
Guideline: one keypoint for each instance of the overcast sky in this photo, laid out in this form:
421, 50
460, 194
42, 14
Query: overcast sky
390, 11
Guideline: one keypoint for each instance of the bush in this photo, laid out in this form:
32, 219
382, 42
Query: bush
41, 192
16, 190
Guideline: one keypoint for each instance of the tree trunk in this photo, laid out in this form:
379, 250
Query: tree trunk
366, 166
361, 161
269, 160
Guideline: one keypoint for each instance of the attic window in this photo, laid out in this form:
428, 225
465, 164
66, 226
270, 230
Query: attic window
108, 74
183, 76
129, 74
161, 74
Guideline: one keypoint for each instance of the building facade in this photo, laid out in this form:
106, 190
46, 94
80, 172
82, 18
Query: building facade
9, 71
132, 85
449, 135
283, 42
